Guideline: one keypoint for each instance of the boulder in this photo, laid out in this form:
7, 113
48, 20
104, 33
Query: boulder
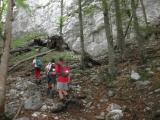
33, 103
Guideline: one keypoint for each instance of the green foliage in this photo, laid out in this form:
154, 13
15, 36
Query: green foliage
3, 8
89, 9
21, 3
67, 55
27, 37
144, 75
149, 29
63, 18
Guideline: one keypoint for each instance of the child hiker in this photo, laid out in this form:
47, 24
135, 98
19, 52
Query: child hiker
63, 79
51, 77
37, 69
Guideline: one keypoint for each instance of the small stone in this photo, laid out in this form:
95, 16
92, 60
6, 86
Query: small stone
92, 107
89, 104
23, 118
22, 92
102, 114
84, 101
44, 108
157, 90
36, 114
103, 100
96, 84
148, 69
114, 115
151, 72
113, 106
100, 117
150, 93
135, 75
110, 93
147, 109
56, 118
44, 116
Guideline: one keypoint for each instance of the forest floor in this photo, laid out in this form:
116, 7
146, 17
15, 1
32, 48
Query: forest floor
138, 100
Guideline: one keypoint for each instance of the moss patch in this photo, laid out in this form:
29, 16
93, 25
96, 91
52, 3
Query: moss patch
25, 38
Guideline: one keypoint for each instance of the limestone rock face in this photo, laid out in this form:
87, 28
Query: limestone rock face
44, 16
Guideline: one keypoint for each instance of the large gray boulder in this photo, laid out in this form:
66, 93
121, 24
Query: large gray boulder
33, 103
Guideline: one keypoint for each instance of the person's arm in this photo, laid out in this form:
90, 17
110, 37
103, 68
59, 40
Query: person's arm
33, 63
69, 75
46, 69
69, 78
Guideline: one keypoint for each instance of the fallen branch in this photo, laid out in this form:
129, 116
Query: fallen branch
32, 57
20, 50
18, 111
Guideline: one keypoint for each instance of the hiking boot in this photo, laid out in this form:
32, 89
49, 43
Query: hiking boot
48, 91
39, 82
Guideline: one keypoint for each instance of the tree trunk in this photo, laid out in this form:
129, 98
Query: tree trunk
139, 37
120, 37
128, 25
111, 54
144, 12
61, 26
81, 35
61, 19
5, 55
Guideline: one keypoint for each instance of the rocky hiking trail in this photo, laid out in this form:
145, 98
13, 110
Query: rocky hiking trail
131, 96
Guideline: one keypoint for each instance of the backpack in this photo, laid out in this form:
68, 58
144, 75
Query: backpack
63, 73
38, 63
51, 68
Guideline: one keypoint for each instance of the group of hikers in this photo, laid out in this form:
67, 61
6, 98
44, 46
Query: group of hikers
57, 75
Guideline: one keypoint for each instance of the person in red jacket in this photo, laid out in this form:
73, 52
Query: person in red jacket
63, 78
37, 64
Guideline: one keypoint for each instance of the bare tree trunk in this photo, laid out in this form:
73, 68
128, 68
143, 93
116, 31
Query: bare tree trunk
128, 25
144, 12
61, 26
139, 37
81, 35
111, 54
61, 19
5, 55
120, 37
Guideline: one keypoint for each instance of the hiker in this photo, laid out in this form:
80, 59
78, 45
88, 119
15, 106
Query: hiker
51, 77
37, 69
63, 79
